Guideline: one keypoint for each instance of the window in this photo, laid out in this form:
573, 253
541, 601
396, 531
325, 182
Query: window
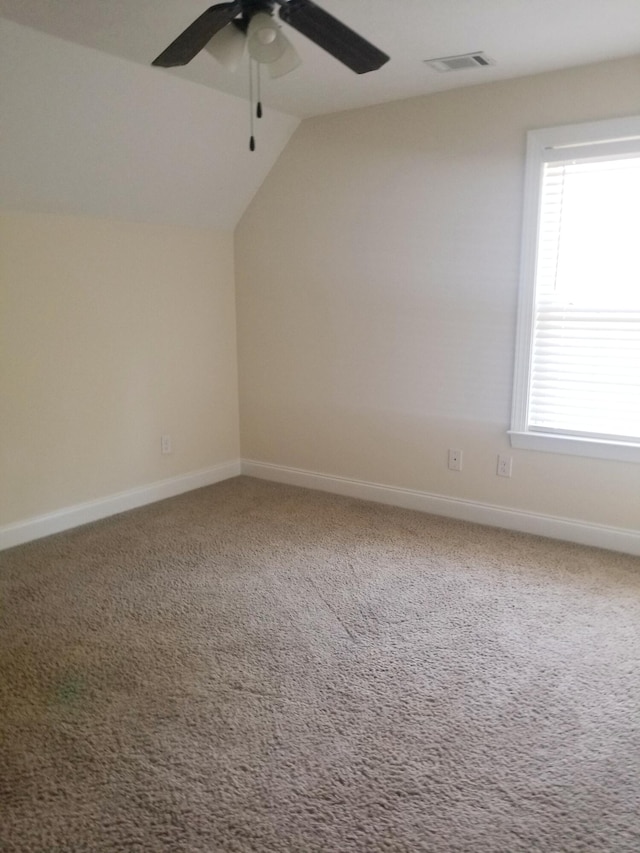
577, 378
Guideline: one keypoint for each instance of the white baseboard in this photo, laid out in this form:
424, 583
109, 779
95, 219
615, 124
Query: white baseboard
73, 516
584, 533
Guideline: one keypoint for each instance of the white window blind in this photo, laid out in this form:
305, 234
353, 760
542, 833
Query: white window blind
584, 376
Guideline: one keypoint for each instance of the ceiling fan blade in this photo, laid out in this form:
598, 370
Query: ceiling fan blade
198, 34
332, 35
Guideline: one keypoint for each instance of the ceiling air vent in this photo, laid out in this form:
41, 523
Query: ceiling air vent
461, 62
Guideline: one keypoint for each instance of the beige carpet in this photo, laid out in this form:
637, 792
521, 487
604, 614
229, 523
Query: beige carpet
254, 667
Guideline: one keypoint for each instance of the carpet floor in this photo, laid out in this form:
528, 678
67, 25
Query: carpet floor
257, 667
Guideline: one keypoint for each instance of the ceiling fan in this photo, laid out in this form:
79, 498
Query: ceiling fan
225, 28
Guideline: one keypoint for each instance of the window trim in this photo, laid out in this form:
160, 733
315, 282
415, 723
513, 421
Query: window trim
538, 142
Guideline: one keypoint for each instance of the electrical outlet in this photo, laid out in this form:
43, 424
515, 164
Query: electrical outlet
504, 465
166, 444
455, 460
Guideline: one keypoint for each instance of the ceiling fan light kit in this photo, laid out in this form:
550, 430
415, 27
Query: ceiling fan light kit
228, 47
225, 29
288, 62
265, 42
304, 16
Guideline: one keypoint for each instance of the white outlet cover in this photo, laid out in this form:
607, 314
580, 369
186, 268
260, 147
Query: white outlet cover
504, 465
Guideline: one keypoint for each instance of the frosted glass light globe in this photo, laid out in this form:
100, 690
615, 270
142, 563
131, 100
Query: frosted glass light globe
266, 36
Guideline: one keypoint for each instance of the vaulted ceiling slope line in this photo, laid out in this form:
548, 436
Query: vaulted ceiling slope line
87, 133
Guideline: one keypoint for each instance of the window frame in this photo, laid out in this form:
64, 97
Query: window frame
538, 142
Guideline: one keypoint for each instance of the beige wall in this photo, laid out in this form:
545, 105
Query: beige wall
112, 334
376, 292
377, 274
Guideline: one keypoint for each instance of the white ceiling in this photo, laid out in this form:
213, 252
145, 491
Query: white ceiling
522, 36
88, 127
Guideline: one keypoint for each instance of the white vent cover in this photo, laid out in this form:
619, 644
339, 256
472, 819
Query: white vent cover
461, 62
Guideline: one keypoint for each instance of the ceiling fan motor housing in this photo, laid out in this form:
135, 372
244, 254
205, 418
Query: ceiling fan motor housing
251, 8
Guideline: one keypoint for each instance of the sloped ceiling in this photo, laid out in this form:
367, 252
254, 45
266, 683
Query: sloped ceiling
88, 126
83, 132
522, 36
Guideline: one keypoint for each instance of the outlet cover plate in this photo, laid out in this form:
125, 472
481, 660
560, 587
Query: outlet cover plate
504, 465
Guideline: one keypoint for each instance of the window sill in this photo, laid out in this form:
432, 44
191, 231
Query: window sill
574, 446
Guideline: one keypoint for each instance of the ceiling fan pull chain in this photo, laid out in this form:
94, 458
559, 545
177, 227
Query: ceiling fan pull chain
252, 139
259, 106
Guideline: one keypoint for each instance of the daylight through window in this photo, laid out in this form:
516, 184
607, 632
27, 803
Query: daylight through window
577, 384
